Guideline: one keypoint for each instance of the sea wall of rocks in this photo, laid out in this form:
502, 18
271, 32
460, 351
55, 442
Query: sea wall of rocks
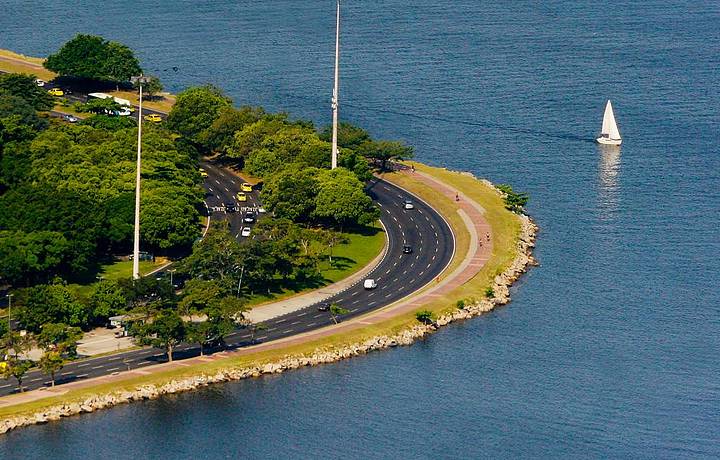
472, 308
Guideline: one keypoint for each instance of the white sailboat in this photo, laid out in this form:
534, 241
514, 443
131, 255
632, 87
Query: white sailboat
609, 134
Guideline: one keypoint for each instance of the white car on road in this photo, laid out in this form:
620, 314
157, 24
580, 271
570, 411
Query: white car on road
408, 204
245, 231
370, 284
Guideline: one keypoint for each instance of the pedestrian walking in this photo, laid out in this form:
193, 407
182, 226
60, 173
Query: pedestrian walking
487, 236
457, 197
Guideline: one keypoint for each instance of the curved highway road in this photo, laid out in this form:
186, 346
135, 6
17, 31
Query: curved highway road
397, 275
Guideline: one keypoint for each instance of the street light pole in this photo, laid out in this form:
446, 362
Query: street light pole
171, 277
136, 241
9, 296
336, 89
242, 271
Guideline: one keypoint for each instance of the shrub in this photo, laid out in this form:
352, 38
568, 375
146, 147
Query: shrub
460, 304
425, 316
489, 292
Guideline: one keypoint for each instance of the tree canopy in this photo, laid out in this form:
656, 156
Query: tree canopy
194, 112
93, 57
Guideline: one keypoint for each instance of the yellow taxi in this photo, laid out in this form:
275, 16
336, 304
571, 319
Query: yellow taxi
154, 117
241, 196
203, 173
56, 92
245, 187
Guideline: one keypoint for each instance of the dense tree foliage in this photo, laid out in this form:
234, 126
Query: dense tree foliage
67, 191
93, 57
194, 112
25, 87
52, 303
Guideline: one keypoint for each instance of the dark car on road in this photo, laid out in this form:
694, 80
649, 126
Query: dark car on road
230, 207
407, 249
324, 307
249, 217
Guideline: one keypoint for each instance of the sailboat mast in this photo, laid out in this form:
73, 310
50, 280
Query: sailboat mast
336, 89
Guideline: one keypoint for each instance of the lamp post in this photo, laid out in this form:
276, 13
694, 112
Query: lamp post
171, 277
336, 89
242, 272
136, 241
9, 296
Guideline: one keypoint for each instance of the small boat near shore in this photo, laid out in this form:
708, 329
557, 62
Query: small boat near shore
609, 134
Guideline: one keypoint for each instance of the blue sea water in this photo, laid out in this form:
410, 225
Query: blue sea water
611, 348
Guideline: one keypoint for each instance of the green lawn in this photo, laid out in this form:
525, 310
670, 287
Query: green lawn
117, 270
347, 258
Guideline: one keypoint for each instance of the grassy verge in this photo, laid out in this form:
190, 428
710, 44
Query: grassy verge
348, 258
505, 228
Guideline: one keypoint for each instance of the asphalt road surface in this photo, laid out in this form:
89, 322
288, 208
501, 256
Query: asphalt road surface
397, 275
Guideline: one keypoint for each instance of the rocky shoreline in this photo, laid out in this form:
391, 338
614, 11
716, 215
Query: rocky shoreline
501, 288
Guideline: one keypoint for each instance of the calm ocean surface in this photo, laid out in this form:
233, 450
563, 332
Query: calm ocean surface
610, 349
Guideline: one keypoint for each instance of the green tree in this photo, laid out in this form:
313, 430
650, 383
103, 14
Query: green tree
336, 310
349, 135
31, 256
342, 200
200, 333
221, 133
52, 303
107, 299
107, 122
59, 337
167, 330
384, 151
105, 106
24, 87
13, 346
51, 362
151, 87
290, 194
218, 256
255, 328
194, 112
93, 57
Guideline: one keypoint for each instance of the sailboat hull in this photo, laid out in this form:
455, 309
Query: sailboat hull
608, 141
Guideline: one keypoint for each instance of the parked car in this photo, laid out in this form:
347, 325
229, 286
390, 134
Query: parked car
245, 232
246, 187
370, 284
203, 173
39, 82
154, 117
70, 118
249, 217
56, 92
407, 249
408, 204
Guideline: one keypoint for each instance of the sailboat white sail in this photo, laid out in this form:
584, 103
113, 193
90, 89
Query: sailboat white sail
610, 135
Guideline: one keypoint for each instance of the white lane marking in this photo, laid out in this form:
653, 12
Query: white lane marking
281, 320
98, 367
218, 197
318, 316
262, 337
285, 332
311, 324
433, 258
428, 266
227, 190
114, 369
422, 273
210, 188
355, 302
302, 314
395, 280
272, 329
417, 257
82, 376
412, 281
372, 303
388, 295
388, 271
217, 182
354, 293
296, 322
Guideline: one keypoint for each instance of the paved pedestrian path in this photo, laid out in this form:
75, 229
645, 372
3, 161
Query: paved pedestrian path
478, 254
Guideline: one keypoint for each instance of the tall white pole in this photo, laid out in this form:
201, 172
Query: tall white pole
136, 244
336, 89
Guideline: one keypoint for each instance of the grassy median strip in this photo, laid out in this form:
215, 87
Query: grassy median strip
505, 228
